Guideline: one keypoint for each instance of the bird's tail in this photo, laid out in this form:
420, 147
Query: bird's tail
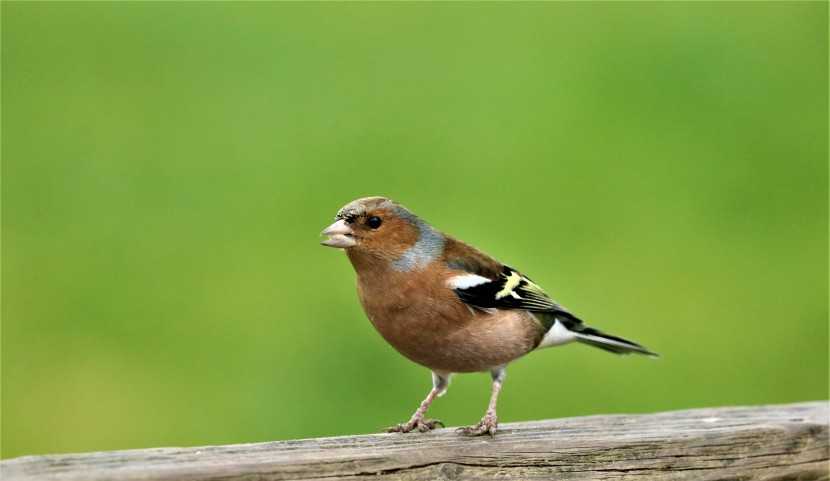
597, 338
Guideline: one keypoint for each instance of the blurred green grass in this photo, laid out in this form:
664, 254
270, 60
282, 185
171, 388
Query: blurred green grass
660, 168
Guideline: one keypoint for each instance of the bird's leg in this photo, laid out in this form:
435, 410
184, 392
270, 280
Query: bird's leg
489, 422
440, 382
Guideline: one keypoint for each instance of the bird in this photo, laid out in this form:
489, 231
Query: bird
448, 306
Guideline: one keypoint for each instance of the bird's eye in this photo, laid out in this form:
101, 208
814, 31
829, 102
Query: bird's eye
374, 222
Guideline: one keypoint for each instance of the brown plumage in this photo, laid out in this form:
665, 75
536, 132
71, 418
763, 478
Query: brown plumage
448, 306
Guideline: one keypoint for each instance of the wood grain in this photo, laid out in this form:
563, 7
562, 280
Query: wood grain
782, 442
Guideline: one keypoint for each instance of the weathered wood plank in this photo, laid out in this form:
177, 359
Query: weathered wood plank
785, 442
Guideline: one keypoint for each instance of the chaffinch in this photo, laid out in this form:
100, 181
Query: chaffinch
448, 306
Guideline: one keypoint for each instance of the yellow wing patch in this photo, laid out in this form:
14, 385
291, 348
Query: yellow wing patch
511, 282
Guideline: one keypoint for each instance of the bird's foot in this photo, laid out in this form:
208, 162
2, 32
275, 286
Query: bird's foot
487, 425
419, 423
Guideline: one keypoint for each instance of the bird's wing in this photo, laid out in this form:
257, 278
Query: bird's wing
479, 284
507, 290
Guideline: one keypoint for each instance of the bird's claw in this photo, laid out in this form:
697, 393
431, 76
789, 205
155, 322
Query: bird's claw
487, 425
422, 425
429, 425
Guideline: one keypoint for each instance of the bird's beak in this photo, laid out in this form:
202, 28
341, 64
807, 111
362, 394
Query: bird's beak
340, 235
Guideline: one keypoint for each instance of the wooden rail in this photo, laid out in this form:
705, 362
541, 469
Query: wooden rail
784, 442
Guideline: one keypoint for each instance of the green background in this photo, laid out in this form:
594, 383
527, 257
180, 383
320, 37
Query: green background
660, 169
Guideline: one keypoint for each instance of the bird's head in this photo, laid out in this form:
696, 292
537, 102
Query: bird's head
380, 228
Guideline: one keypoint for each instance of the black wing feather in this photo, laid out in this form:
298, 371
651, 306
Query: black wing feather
512, 290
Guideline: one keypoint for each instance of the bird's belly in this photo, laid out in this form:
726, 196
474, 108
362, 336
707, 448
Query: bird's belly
464, 340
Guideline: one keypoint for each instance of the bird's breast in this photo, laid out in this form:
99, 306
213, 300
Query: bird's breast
425, 320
